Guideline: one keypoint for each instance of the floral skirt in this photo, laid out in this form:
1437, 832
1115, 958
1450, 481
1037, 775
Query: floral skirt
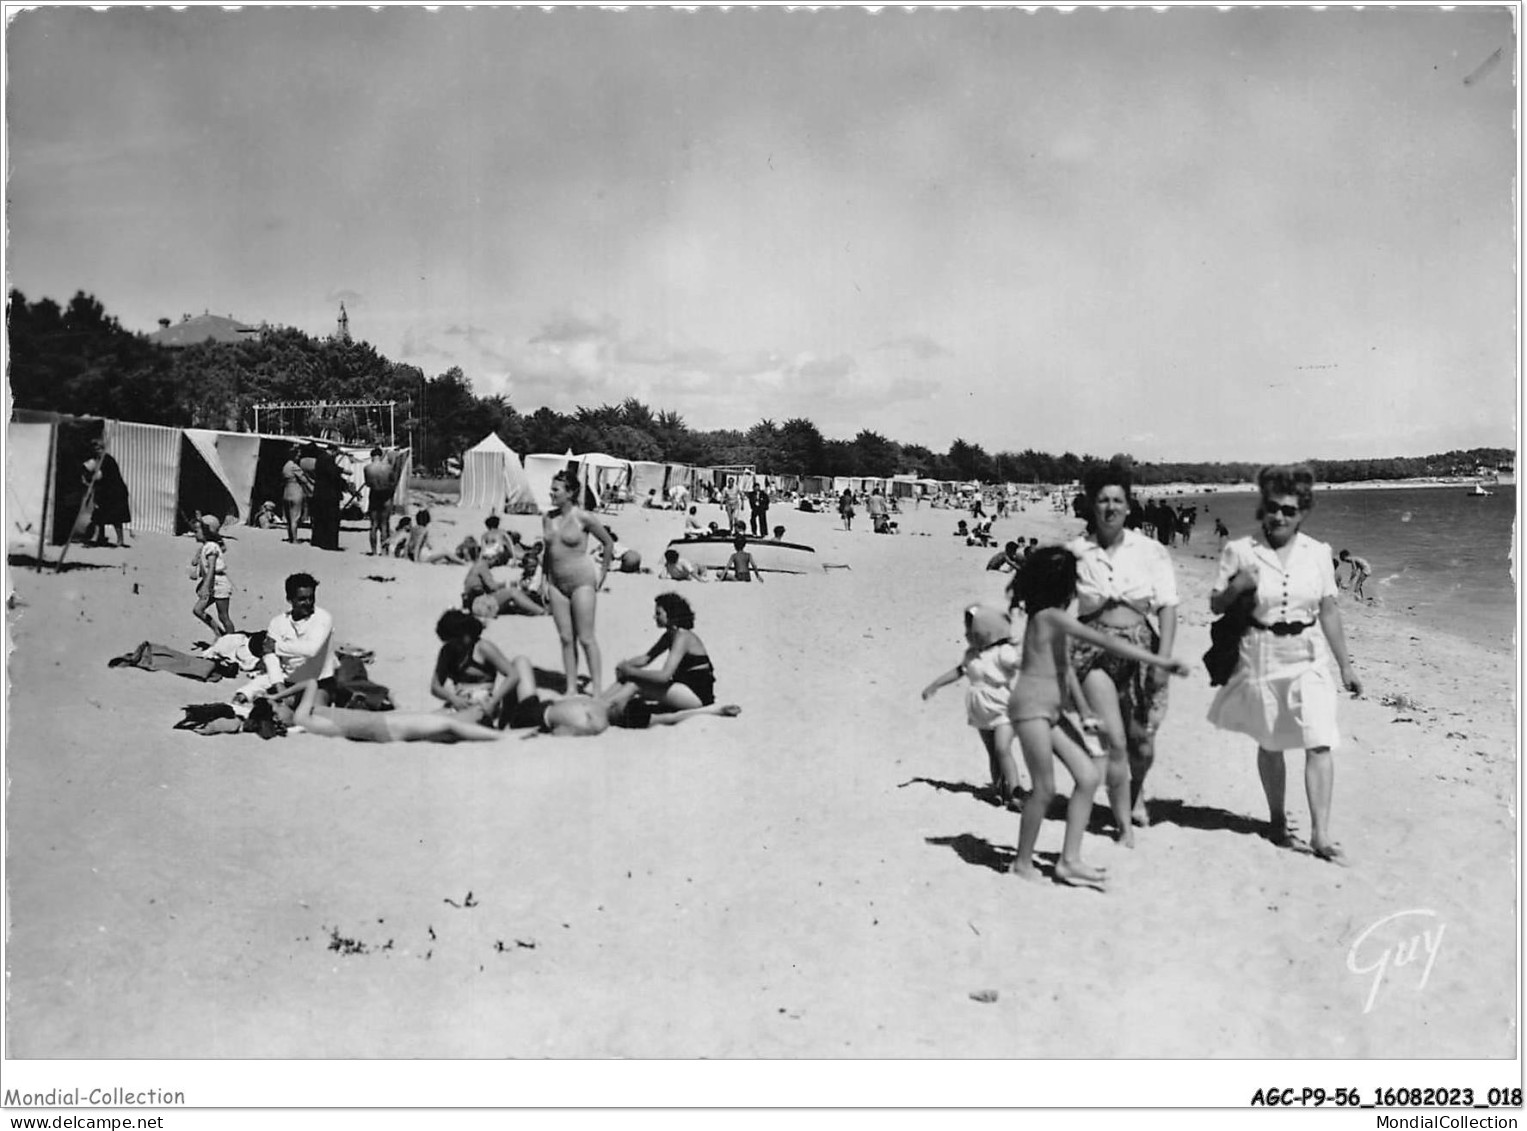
1142, 705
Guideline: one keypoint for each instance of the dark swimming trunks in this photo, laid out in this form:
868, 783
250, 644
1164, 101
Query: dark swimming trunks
527, 714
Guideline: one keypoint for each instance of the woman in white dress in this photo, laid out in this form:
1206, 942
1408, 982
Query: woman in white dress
1282, 693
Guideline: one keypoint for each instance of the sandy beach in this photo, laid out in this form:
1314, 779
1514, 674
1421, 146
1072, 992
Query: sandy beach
814, 879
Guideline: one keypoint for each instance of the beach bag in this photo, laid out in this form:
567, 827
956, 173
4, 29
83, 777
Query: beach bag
1225, 640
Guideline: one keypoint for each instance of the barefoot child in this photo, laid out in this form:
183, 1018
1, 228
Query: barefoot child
740, 566
210, 569
1048, 585
990, 664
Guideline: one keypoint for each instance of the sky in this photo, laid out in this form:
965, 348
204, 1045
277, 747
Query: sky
1190, 234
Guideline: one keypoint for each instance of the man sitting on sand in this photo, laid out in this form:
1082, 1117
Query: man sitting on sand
296, 645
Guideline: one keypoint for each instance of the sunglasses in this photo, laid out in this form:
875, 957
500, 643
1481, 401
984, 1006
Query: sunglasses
1285, 510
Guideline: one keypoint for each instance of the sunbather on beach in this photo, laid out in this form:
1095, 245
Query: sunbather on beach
315, 716
676, 568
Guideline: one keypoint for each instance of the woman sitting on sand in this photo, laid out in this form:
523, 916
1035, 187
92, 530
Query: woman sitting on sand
571, 579
1281, 692
313, 715
472, 676
686, 679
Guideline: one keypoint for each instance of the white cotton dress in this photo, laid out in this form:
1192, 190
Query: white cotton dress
1283, 693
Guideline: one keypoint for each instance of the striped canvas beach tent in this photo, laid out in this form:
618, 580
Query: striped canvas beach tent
171, 478
493, 476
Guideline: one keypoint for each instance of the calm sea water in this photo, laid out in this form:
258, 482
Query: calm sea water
1434, 550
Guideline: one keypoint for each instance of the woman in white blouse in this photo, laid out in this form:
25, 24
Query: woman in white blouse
1281, 692
1123, 579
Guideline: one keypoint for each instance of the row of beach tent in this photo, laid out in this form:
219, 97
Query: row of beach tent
493, 475
172, 474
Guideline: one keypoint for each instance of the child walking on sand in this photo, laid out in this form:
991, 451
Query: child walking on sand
209, 568
990, 664
1048, 585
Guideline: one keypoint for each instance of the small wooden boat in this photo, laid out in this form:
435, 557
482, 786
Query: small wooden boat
768, 556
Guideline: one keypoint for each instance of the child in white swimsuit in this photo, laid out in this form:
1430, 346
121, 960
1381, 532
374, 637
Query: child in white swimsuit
990, 664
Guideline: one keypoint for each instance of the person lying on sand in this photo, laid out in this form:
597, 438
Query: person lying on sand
676, 568
582, 716
315, 716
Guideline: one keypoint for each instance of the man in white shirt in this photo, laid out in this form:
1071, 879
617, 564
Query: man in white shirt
298, 640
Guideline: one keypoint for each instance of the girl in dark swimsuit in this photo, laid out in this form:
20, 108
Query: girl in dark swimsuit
686, 679
474, 678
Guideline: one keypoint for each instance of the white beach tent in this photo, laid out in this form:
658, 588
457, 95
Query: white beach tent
646, 476
539, 470
28, 482
492, 476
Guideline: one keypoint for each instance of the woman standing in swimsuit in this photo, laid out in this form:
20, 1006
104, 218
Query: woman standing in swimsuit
686, 680
571, 579
295, 489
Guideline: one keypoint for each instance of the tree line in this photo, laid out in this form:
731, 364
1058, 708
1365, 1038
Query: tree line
78, 359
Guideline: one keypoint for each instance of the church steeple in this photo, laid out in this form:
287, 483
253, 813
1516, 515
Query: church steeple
343, 333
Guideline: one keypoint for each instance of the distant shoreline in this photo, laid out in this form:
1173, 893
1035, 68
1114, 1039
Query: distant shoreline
1360, 485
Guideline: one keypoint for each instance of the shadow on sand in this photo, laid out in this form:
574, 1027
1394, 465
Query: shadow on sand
29, 561
1164, 811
